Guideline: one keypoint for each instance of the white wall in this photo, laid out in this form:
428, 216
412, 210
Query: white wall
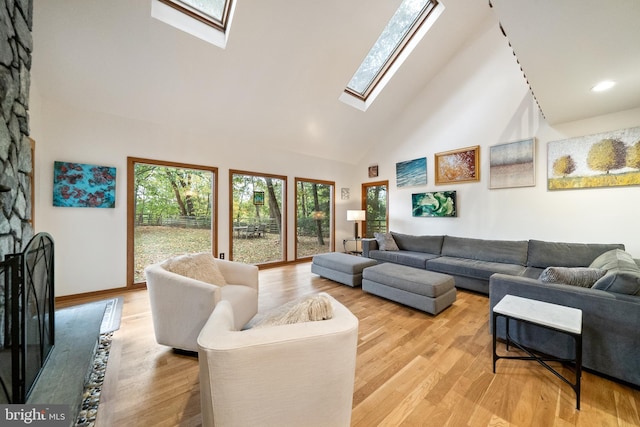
91, 243
481, 98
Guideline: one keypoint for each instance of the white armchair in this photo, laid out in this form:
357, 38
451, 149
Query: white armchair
289, 375
180, 305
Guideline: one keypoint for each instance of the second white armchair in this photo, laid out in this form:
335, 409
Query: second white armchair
288, 375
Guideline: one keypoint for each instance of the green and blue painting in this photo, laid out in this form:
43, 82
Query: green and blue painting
437, 203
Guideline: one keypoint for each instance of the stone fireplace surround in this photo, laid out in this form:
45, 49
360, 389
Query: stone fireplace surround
16, 162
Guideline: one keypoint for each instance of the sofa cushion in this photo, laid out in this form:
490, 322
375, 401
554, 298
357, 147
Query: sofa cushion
428, 244
500, 251
575, 276
476, 269
416, 281
385, 242
546, 254
307, 309
410, 258
623, 274
344, 263
201, 266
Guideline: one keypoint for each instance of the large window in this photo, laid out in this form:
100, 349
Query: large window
258, 222
314, 217
399, 37
375, 203
171, 209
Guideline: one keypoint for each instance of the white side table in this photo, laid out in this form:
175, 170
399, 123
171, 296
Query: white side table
551, 316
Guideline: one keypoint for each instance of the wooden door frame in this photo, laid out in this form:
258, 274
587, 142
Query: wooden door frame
363, 202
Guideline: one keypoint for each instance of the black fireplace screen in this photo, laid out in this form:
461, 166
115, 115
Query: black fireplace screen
26, 317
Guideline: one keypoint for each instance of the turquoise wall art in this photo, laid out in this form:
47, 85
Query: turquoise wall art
434, 204
80, 185
411, 172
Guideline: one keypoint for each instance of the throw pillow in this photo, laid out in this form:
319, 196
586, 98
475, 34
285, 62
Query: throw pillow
623, 274
616, 258
308, 309
386, 242
200, 266
575, 276
620, 282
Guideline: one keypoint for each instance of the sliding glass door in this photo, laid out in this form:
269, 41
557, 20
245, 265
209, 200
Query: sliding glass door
375, 202
257, 209
171, 211
314, 217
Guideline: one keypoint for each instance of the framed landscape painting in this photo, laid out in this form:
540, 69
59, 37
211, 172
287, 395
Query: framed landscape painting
512, 164
434, 204
79, 185
455, 166
411, 172
608, 159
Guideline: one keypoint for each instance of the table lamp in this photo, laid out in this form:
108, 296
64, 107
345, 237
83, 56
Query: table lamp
357, 216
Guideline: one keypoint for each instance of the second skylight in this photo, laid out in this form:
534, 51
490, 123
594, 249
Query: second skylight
399, 30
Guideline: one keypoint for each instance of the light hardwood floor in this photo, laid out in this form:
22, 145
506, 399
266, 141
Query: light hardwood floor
413, 369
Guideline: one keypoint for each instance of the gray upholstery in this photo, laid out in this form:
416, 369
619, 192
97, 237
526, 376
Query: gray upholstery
368, 245
472, 268
429, 244
409, 279
341, 267
420, 302
473, 261
623, 273
610, 324
623, 282
418, 288
502, 251
559, 254
410, 258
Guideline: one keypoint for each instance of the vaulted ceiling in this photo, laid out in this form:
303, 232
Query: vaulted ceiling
278, 81
565, 47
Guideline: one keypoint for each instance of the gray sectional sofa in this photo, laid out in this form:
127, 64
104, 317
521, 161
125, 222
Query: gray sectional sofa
611, 307
472, 261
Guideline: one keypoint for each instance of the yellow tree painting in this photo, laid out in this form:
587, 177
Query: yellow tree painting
602, 160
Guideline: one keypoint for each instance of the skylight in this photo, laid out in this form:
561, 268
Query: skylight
208, 20
207, 10
213, 8
404, 30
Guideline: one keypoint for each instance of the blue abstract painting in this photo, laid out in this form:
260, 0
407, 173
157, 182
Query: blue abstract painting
84, 186
411, 172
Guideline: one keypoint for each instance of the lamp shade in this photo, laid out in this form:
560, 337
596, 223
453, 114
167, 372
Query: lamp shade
353, 215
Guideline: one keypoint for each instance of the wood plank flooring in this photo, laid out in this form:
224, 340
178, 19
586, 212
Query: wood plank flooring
413, 369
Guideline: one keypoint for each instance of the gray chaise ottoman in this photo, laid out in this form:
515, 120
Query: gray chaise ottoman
422, 289
341, 267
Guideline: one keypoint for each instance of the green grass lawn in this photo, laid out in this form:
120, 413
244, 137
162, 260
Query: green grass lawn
157, 243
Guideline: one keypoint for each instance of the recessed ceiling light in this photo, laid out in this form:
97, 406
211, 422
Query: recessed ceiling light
604, 85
